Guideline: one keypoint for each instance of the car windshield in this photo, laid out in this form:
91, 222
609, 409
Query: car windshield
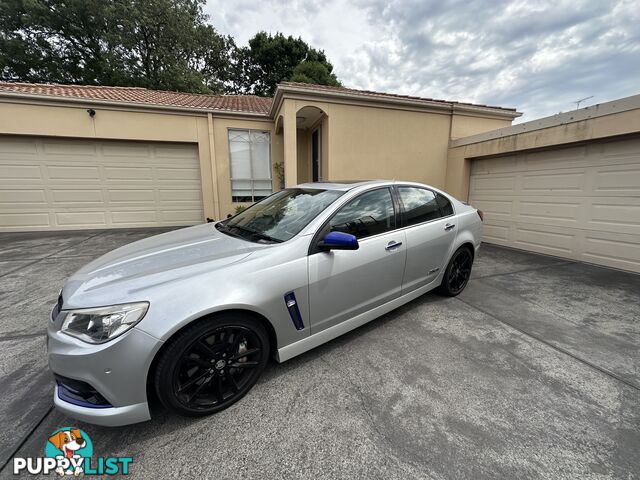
280, 216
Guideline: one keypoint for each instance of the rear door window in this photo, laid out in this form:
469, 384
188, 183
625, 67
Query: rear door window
420, 205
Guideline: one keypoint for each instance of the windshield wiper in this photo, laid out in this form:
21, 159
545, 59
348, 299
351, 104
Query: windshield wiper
261, 235
226, 229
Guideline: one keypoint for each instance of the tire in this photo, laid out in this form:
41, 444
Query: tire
212, 364
456, 276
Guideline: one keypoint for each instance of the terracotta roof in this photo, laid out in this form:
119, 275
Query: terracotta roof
222, 103
369, 93
143, 96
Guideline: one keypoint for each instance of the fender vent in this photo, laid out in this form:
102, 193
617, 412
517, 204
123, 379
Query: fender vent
294, 311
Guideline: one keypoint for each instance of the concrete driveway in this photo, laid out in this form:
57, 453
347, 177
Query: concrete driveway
534, 371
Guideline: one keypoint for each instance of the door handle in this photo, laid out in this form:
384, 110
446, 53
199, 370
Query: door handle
391, 245
449, 226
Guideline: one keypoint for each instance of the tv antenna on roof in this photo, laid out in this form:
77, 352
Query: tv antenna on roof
578, 102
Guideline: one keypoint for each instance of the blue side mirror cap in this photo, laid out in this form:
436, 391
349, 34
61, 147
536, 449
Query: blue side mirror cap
339, 241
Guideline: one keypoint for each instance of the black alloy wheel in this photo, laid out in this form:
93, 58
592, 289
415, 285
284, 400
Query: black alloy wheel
211, 365
457, 274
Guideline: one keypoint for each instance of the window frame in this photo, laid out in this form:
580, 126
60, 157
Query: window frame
231, 178
403, 211
323, 230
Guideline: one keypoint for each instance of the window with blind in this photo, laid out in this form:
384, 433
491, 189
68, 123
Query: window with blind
250, 156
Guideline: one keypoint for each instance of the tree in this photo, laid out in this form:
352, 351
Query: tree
57, 41
270, 59
314, 72
169, 45
158, 44
162, 44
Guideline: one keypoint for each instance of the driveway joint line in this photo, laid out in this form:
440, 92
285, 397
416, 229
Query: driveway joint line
21, 336
559, 264
26, 438
555, 347
52, 254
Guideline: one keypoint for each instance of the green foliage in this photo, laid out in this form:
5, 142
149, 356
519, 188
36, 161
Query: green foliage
270, 59
240, 209
159, 44
314, 72
278, 168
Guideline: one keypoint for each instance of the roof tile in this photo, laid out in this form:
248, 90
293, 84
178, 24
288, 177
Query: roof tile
143, 96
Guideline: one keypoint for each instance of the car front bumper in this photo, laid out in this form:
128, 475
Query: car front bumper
108, 417
116, 370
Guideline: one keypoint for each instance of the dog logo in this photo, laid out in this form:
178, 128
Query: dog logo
69, 452
72, 445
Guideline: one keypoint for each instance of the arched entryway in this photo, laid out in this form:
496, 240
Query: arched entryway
310, 121
305, 129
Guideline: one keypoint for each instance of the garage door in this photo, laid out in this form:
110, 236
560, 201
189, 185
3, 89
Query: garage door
581, 203
56, 184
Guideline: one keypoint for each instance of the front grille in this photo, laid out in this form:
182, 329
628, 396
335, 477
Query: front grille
80, 393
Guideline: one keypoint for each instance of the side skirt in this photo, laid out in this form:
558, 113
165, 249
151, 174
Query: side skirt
308, 343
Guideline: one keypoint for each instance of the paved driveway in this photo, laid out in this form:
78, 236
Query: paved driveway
534, 371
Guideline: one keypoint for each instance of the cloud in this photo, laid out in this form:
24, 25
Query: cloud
538, 56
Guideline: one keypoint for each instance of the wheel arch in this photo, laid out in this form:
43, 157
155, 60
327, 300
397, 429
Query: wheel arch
271, 333
468, 245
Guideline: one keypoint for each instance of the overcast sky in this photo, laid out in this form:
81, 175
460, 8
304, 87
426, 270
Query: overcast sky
538, 56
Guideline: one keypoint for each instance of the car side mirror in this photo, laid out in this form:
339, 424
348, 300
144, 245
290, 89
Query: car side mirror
338, 241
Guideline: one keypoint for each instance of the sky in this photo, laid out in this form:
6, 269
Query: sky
538, 56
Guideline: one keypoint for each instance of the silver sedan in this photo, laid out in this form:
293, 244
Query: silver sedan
193, 315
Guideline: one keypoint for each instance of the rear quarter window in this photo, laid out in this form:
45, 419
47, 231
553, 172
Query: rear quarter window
445, 205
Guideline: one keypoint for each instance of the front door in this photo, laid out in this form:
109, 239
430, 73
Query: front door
315, 155
346, 283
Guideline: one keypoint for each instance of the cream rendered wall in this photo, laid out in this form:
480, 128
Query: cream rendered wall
379, 143
466, 125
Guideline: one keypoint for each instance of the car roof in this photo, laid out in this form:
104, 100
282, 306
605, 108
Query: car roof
343, 185
346, 185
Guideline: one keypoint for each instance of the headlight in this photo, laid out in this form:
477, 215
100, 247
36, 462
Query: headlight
99, 325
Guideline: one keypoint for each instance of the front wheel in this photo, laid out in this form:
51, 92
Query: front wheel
212, 364
457, 274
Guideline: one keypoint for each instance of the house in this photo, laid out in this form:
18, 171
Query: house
88, 157
101, 157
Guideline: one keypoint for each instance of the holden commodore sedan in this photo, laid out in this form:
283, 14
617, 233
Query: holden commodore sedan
193, 315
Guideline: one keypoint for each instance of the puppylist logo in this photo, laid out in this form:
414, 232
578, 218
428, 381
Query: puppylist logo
69, 451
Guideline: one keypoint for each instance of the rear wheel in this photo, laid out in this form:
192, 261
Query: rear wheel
212, 364
457, 274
